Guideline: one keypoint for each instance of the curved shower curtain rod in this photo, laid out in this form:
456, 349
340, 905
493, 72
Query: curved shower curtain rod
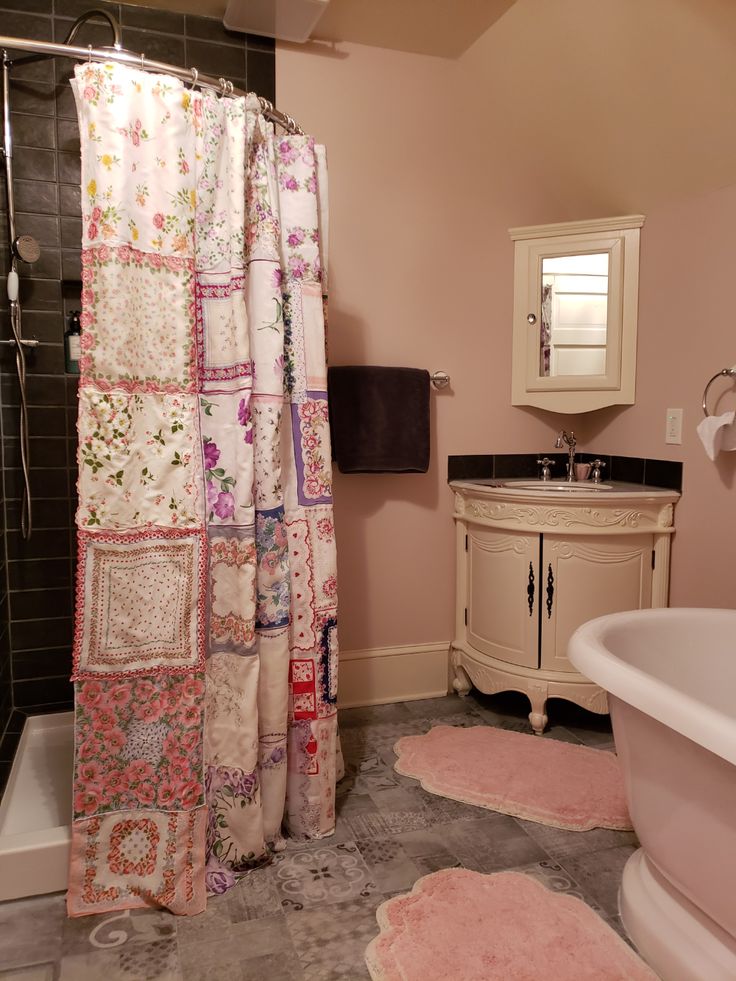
116, 53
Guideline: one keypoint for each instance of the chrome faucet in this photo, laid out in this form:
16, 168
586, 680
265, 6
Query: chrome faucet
569, 438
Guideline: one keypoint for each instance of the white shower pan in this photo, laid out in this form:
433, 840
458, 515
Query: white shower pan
36, 809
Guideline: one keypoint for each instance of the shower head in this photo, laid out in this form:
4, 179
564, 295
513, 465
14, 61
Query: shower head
26, 248
96, 12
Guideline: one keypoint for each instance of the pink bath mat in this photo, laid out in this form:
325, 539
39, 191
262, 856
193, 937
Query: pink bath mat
544, 780
457, 924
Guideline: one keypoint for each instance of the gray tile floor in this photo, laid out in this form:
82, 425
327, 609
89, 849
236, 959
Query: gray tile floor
310, 915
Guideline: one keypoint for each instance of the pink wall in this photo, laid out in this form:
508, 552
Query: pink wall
686, 334
431, 161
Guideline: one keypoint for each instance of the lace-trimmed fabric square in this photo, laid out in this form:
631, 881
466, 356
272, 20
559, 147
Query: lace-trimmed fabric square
153, 296
130, 859
232, 591
139, 744
140, 603
139, 460
222, 329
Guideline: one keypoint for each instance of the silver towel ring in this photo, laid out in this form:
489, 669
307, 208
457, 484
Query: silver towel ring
728, 372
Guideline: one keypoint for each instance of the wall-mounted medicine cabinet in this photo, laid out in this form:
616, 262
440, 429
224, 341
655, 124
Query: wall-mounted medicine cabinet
576, 290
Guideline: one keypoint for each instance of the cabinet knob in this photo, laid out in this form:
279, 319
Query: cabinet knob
531, 318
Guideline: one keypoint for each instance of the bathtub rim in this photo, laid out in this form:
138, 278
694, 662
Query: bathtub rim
709, 727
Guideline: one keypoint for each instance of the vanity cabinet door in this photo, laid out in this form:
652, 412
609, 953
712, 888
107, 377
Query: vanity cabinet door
588, 577
503, 595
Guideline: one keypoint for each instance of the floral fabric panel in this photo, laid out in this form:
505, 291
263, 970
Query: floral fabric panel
140, 603
297, 180
227, 447
269, 491
307, 476
265, 300
231, 735
220, 219
132, 859
234, 833
232, 591
311, 466
222, 330
153, 296
263, 226
139, 744
139, 135
301, 634
273, 590
139, 460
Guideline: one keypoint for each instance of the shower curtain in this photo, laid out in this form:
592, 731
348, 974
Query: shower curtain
206, 636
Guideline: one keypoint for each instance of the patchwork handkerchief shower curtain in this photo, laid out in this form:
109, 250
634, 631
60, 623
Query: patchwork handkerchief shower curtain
205, 645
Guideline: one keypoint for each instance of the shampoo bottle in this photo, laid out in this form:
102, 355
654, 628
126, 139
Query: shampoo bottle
72, 343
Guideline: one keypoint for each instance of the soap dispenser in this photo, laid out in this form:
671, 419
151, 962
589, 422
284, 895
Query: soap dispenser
73, 343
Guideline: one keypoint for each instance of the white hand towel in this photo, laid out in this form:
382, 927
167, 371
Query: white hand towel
718, 433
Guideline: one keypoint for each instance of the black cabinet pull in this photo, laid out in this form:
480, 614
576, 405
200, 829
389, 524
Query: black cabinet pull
530, 590
550, 591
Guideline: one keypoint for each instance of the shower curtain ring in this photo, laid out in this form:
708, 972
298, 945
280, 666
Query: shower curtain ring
195, 76
89, 56
223, 83
229, 87
143, 58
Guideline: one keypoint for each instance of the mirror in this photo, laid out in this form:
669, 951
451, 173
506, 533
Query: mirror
575, 304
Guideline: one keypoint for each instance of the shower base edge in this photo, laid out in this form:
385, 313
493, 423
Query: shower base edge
36, 809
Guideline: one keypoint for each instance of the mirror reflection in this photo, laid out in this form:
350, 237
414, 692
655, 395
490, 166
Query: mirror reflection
574, 314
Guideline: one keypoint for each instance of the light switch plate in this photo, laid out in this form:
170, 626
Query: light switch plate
673, 427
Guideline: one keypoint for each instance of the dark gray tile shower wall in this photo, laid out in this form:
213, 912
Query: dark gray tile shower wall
36, 577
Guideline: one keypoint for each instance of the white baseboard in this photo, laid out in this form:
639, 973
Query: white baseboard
380, 675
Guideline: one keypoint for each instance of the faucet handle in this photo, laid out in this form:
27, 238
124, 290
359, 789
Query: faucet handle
597, 466
545, 463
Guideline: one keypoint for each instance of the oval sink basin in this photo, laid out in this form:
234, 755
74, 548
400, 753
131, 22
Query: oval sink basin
560, 487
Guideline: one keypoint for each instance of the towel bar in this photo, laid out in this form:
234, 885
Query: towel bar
730, 372
440, 379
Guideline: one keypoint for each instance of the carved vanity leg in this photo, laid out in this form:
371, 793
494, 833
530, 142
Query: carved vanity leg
538, 716
461, 682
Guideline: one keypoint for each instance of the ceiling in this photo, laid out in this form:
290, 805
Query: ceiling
445, 28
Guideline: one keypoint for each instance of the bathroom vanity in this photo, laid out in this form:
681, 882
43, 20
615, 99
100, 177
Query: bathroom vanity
535, 559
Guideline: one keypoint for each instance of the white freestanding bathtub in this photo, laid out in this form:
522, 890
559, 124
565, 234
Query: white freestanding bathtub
671, 678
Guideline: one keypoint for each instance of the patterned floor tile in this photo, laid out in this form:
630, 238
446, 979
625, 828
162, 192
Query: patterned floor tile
391, 867
38, 972
319, 874
255, 896
213, 921
331, 942
373, 715
358, 817
428, 847
463, 719
491, 844
133, 962
561, 845
87, 934
599, 874
225, 955
438, 708
373, 774
31, 930
402, 809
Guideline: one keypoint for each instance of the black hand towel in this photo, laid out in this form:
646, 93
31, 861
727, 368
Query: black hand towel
379, 419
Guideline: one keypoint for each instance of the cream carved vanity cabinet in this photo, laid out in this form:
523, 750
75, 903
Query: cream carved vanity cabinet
534, 564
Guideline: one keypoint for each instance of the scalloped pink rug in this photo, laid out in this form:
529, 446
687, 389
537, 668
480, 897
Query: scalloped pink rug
503, 927
529, 777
